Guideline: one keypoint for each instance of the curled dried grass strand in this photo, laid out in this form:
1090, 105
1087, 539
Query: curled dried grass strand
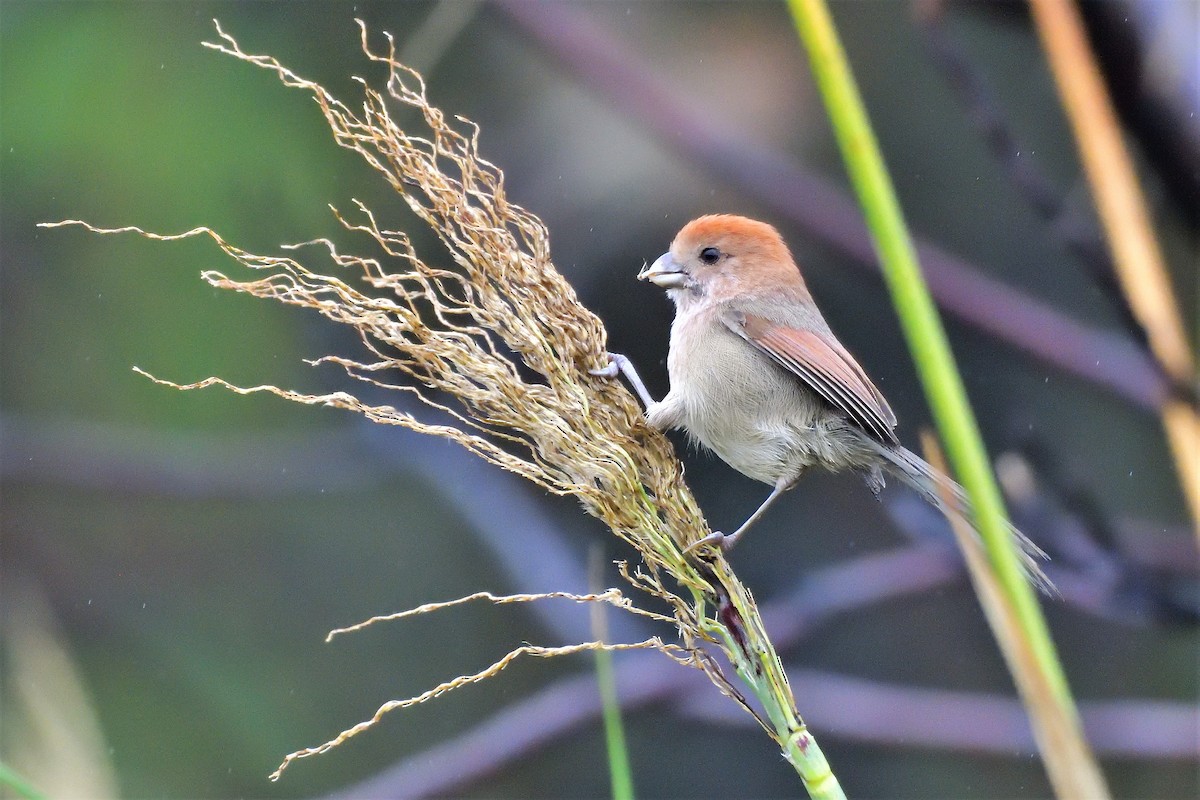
492, 670
611, 596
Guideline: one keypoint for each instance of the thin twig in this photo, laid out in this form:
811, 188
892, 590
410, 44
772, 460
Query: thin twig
464, 680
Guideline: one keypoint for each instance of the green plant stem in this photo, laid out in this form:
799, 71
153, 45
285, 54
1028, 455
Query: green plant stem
18, 785
757, 664
922, 326
614, 733
619, 770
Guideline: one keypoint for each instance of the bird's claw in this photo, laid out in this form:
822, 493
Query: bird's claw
618, 363
723, 543
612, 368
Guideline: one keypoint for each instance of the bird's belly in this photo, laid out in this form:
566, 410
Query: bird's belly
760, 454
757, 418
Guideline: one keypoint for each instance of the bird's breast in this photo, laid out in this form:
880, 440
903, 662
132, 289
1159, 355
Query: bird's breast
735, 401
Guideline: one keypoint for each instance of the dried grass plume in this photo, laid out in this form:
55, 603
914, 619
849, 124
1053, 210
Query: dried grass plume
498, 346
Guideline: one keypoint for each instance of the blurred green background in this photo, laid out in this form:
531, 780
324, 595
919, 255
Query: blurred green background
172, 561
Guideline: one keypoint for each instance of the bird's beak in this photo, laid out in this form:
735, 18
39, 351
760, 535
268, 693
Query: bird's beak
666, 273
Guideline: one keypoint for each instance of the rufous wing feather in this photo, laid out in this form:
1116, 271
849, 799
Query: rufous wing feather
821, 362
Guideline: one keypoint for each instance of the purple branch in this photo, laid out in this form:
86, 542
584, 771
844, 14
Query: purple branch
511, 524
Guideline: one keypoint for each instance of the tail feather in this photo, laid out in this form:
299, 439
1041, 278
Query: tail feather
933, 486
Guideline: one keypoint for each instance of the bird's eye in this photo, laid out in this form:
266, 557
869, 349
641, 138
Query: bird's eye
710, 255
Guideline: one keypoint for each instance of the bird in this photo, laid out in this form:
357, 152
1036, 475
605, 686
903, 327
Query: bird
758, 377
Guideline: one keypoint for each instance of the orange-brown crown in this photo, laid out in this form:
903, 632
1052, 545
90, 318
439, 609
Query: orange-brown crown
762, 257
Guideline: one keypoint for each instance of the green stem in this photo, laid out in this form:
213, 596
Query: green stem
18, 785
922, 326
756, 662
614, 733
619, 770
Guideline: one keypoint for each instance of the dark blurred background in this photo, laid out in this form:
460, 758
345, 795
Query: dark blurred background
172, 561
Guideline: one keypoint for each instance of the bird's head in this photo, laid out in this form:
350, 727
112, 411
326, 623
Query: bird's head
721, 256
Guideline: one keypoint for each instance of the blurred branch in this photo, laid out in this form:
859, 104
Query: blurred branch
854, 709
879, 713
626, 81
1018, 162
140, 460
424, 48
1106, 568
1158, 547
531, 548
1122, 209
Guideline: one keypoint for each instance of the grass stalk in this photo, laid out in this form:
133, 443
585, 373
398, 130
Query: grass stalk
1065, 749
930, 347
1121, 204
619, 770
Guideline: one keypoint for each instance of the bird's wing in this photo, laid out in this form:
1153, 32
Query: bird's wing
822, 363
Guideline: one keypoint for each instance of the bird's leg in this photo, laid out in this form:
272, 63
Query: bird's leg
726, 542
619, 363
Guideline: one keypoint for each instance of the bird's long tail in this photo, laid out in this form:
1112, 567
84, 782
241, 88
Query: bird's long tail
934, 486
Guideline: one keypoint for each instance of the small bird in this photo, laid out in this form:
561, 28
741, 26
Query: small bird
758, 377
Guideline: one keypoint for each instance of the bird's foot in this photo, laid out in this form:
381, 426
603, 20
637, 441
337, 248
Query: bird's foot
612, 368
723, 542
619, 364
